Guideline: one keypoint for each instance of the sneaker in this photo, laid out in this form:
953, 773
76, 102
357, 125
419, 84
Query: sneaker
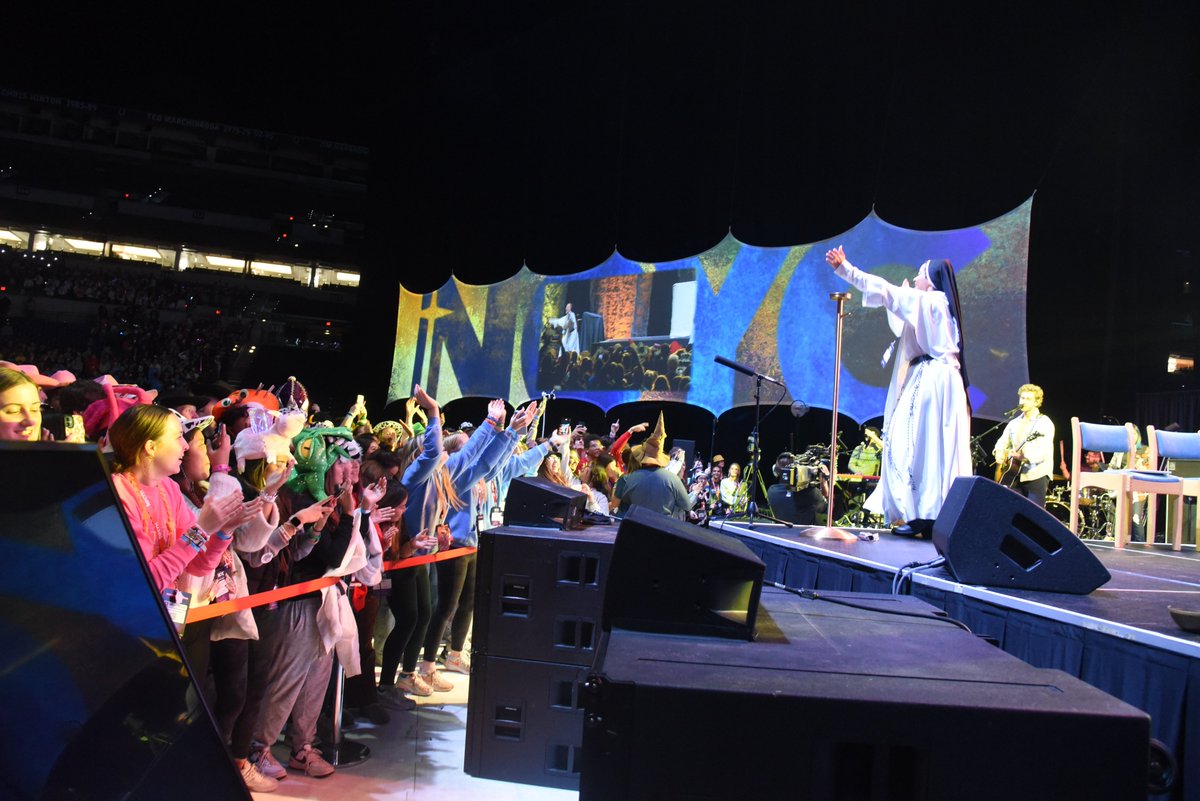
255, 780
267, 764
458, 662
413, 684
395, 698
375, 713
435, 680
309, 760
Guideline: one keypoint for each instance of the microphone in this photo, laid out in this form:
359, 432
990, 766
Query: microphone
741, 368
1011, 412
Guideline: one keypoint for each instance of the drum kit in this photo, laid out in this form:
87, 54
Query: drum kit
1097, 508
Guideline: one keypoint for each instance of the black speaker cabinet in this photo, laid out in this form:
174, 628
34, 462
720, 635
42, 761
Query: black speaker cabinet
836, 701
539, 593
992, 536
525, 721
674, 577
538, 502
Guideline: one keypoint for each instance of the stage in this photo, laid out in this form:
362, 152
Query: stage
1120, 638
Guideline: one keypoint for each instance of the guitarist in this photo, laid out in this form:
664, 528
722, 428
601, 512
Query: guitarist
1025, 451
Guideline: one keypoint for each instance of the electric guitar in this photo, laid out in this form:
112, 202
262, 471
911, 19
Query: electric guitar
1009, 469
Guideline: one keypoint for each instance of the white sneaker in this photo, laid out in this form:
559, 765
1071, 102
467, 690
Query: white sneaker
438, 682
255, 780
267, 765
413, 684
458, 662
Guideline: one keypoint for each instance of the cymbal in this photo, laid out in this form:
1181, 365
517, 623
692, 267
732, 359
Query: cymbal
1059, 478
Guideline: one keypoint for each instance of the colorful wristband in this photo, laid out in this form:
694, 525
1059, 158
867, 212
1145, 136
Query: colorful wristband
220, 468
195, 537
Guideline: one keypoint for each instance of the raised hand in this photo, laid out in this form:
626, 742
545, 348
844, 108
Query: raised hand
426, 402
279, 474
835, 257
497, 412
639, 428
222, 445
521, 419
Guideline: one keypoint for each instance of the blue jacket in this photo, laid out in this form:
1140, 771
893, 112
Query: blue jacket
493, 455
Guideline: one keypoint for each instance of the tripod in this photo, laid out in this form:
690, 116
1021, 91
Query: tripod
752, 474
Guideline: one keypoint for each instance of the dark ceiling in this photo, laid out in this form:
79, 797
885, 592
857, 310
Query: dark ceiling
548, 133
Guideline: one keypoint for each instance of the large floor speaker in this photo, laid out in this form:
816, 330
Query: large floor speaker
525, 721
674, 577
538, 603
992, 536
837, 701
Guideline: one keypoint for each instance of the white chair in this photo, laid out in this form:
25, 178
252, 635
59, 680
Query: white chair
1177, 445
1114, 439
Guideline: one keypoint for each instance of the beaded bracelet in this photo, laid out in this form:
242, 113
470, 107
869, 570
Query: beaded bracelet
195, 537
220, 468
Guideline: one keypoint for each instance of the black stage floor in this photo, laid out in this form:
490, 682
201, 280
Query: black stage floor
1133, 605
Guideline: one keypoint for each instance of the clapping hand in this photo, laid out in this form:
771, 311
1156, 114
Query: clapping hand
522, 419
216, 514
372, 493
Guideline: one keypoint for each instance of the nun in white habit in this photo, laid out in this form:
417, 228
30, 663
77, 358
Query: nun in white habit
570, 329
927, 419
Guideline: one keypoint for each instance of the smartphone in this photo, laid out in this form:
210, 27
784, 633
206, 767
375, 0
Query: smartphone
73, 428
358, 400
565, 426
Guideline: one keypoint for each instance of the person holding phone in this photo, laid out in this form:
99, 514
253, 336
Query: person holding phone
291, 657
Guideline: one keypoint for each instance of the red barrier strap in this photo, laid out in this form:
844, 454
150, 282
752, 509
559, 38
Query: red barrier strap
197, 613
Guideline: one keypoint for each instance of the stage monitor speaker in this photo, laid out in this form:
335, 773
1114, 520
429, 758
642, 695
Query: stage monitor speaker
992, 536
848, 696
538, 502
673, 577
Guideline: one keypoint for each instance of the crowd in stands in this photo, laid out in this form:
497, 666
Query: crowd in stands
230, 495
625, 365
154, 330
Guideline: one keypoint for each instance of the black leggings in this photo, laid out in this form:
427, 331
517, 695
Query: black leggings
409, 602
230, 660
456, 601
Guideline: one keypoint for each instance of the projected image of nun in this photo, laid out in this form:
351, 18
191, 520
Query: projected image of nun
570, 329
927, 417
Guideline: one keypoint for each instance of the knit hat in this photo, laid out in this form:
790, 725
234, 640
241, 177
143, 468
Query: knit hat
651, 451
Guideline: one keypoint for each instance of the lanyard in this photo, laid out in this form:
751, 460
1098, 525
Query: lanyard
163, 539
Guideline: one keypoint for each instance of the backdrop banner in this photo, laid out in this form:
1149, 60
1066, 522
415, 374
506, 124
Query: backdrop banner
625, 331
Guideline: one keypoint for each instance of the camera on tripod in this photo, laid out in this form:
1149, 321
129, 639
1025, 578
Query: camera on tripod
805, 469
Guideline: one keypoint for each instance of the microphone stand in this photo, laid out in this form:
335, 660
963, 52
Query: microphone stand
753, 477
830, 532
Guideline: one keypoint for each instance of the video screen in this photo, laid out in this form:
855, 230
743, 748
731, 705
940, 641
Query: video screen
621, 332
